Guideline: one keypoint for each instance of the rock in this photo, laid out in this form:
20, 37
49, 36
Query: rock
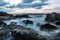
57, 36
48, 18
43, 39
3, 14
25, 34
4, 34
22, 16
28, 21
48, 27
57, 39
38, 24
57, 23
13, 25
52, 17
2, 24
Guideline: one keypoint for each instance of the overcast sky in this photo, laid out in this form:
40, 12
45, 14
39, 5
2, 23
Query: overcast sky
30, 6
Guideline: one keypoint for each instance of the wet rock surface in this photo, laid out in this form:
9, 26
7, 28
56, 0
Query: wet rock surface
57, 37
13, 31
24, 34
4, 34
22, 16
48, 27
52, 17
57, 23
28, 22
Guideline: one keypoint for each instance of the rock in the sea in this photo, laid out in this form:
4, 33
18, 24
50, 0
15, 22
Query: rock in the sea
22, 16
28, 22
38, 24
13, 25
3, 14
57, 36
58, 23
2, 24
52, 17
48, 27
25, 34
4, 34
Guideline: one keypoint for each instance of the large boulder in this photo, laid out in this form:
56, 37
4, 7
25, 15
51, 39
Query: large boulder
57, 36
28, 22
57, 23
13, 25
3, 14
52, 17
4, 34
48, 27
25, 34
2, 24
22, 16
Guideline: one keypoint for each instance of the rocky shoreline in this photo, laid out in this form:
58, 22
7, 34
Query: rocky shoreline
18, 32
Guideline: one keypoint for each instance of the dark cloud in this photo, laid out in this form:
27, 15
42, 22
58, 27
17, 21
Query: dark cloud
27, 1
11, 6
2, 3
30, 4
35, 5
43, 1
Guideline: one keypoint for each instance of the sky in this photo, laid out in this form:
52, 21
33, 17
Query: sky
30, 6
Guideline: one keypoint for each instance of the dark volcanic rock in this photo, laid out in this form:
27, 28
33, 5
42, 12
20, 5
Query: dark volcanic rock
48, 18
38, 24
13, 25
4, 34
22, 16
2, 24
57, 36
16, 32
28, 21
52, 17
3, 14
58, 23
25, 34
48, 27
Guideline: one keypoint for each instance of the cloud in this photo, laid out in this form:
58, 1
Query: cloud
27, 1
9, 5
3, 9
29, 4
2, 3
54, 4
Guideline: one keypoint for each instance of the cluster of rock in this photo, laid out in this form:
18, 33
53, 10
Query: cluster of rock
5, 16
27, 22
53, 17
22, 16
48, 27
16, 32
